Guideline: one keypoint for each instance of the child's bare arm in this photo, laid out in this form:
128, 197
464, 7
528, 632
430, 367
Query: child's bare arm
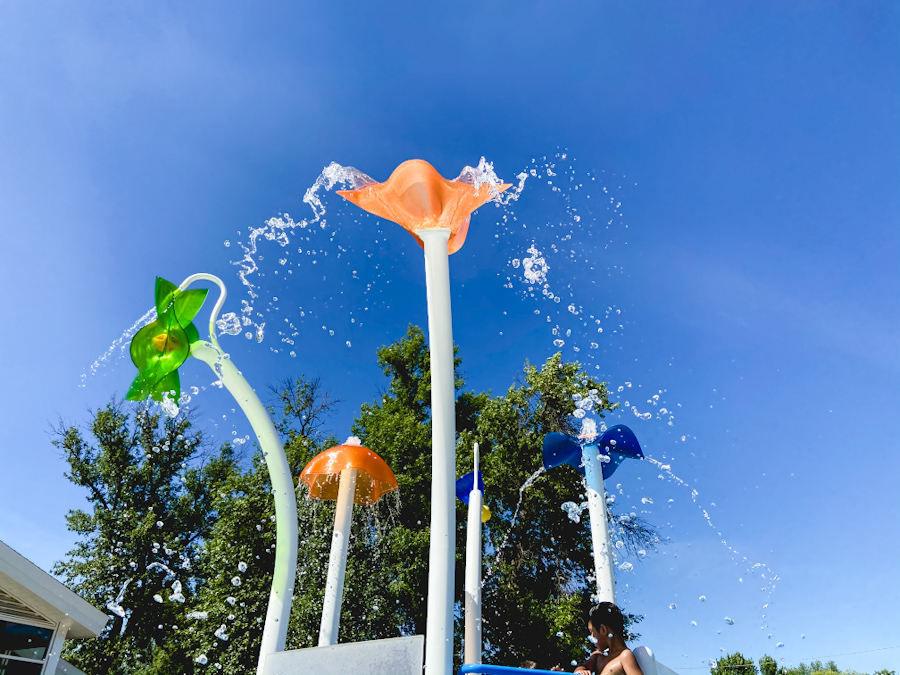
630, 664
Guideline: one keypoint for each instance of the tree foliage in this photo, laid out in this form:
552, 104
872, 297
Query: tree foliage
152, 498
738, 663
734, 664
768, 665
217, 534
538, 562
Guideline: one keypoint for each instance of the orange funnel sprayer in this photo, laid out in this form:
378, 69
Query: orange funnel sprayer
436, 211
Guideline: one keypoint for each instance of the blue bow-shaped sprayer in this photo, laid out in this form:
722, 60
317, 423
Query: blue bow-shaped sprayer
616, 443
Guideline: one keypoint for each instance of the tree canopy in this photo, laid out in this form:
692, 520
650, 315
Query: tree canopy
192, 591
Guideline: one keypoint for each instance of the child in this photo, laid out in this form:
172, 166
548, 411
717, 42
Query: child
607, 627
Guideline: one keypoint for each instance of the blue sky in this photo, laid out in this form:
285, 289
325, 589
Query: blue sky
751, 153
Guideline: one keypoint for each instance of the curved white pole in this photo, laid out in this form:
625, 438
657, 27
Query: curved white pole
596, 497
337, 561
279, 611
472, 633
442, 546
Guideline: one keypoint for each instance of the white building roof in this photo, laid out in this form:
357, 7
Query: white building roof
28, 593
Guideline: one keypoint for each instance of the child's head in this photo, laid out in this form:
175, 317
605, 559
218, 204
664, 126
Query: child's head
607, 614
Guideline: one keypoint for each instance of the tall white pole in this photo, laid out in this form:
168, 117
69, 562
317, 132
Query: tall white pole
442, 549
337, 562
279, 610
596, 496
472, 635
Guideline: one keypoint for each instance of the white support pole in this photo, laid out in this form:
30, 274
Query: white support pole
337, 561
279, 610
442, 549
472, 635
596, 497
55, 649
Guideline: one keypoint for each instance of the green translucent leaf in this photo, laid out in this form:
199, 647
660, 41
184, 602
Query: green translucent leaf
188, 303
192, 334
140, 389
164, 294
158, 349
169, 383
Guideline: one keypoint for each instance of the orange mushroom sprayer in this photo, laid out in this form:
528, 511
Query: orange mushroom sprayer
350, 474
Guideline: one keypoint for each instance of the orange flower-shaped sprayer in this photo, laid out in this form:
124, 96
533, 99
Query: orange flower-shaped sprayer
417, 197
323, 473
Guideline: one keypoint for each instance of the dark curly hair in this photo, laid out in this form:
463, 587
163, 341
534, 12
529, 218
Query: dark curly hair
607, 614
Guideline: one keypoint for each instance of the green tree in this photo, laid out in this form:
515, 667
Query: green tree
151, 492
734, 664
538, 567
817, 668
768, 665
237, 559
220, 515
539, 573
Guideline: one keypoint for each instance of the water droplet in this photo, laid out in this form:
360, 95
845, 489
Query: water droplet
702, 598
242, 567
729, 621
235, 581
229, 324
202, 660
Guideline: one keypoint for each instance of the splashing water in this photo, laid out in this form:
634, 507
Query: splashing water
484, 175
764, 570
176, 595
560, 275
589, 427
574, 510
115, 605
286, 232
512, 523
164, 568
534, 267
121, 343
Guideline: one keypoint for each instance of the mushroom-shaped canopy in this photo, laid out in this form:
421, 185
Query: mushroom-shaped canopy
323, 473
417, 197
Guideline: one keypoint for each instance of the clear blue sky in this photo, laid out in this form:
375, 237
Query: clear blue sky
749, 275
